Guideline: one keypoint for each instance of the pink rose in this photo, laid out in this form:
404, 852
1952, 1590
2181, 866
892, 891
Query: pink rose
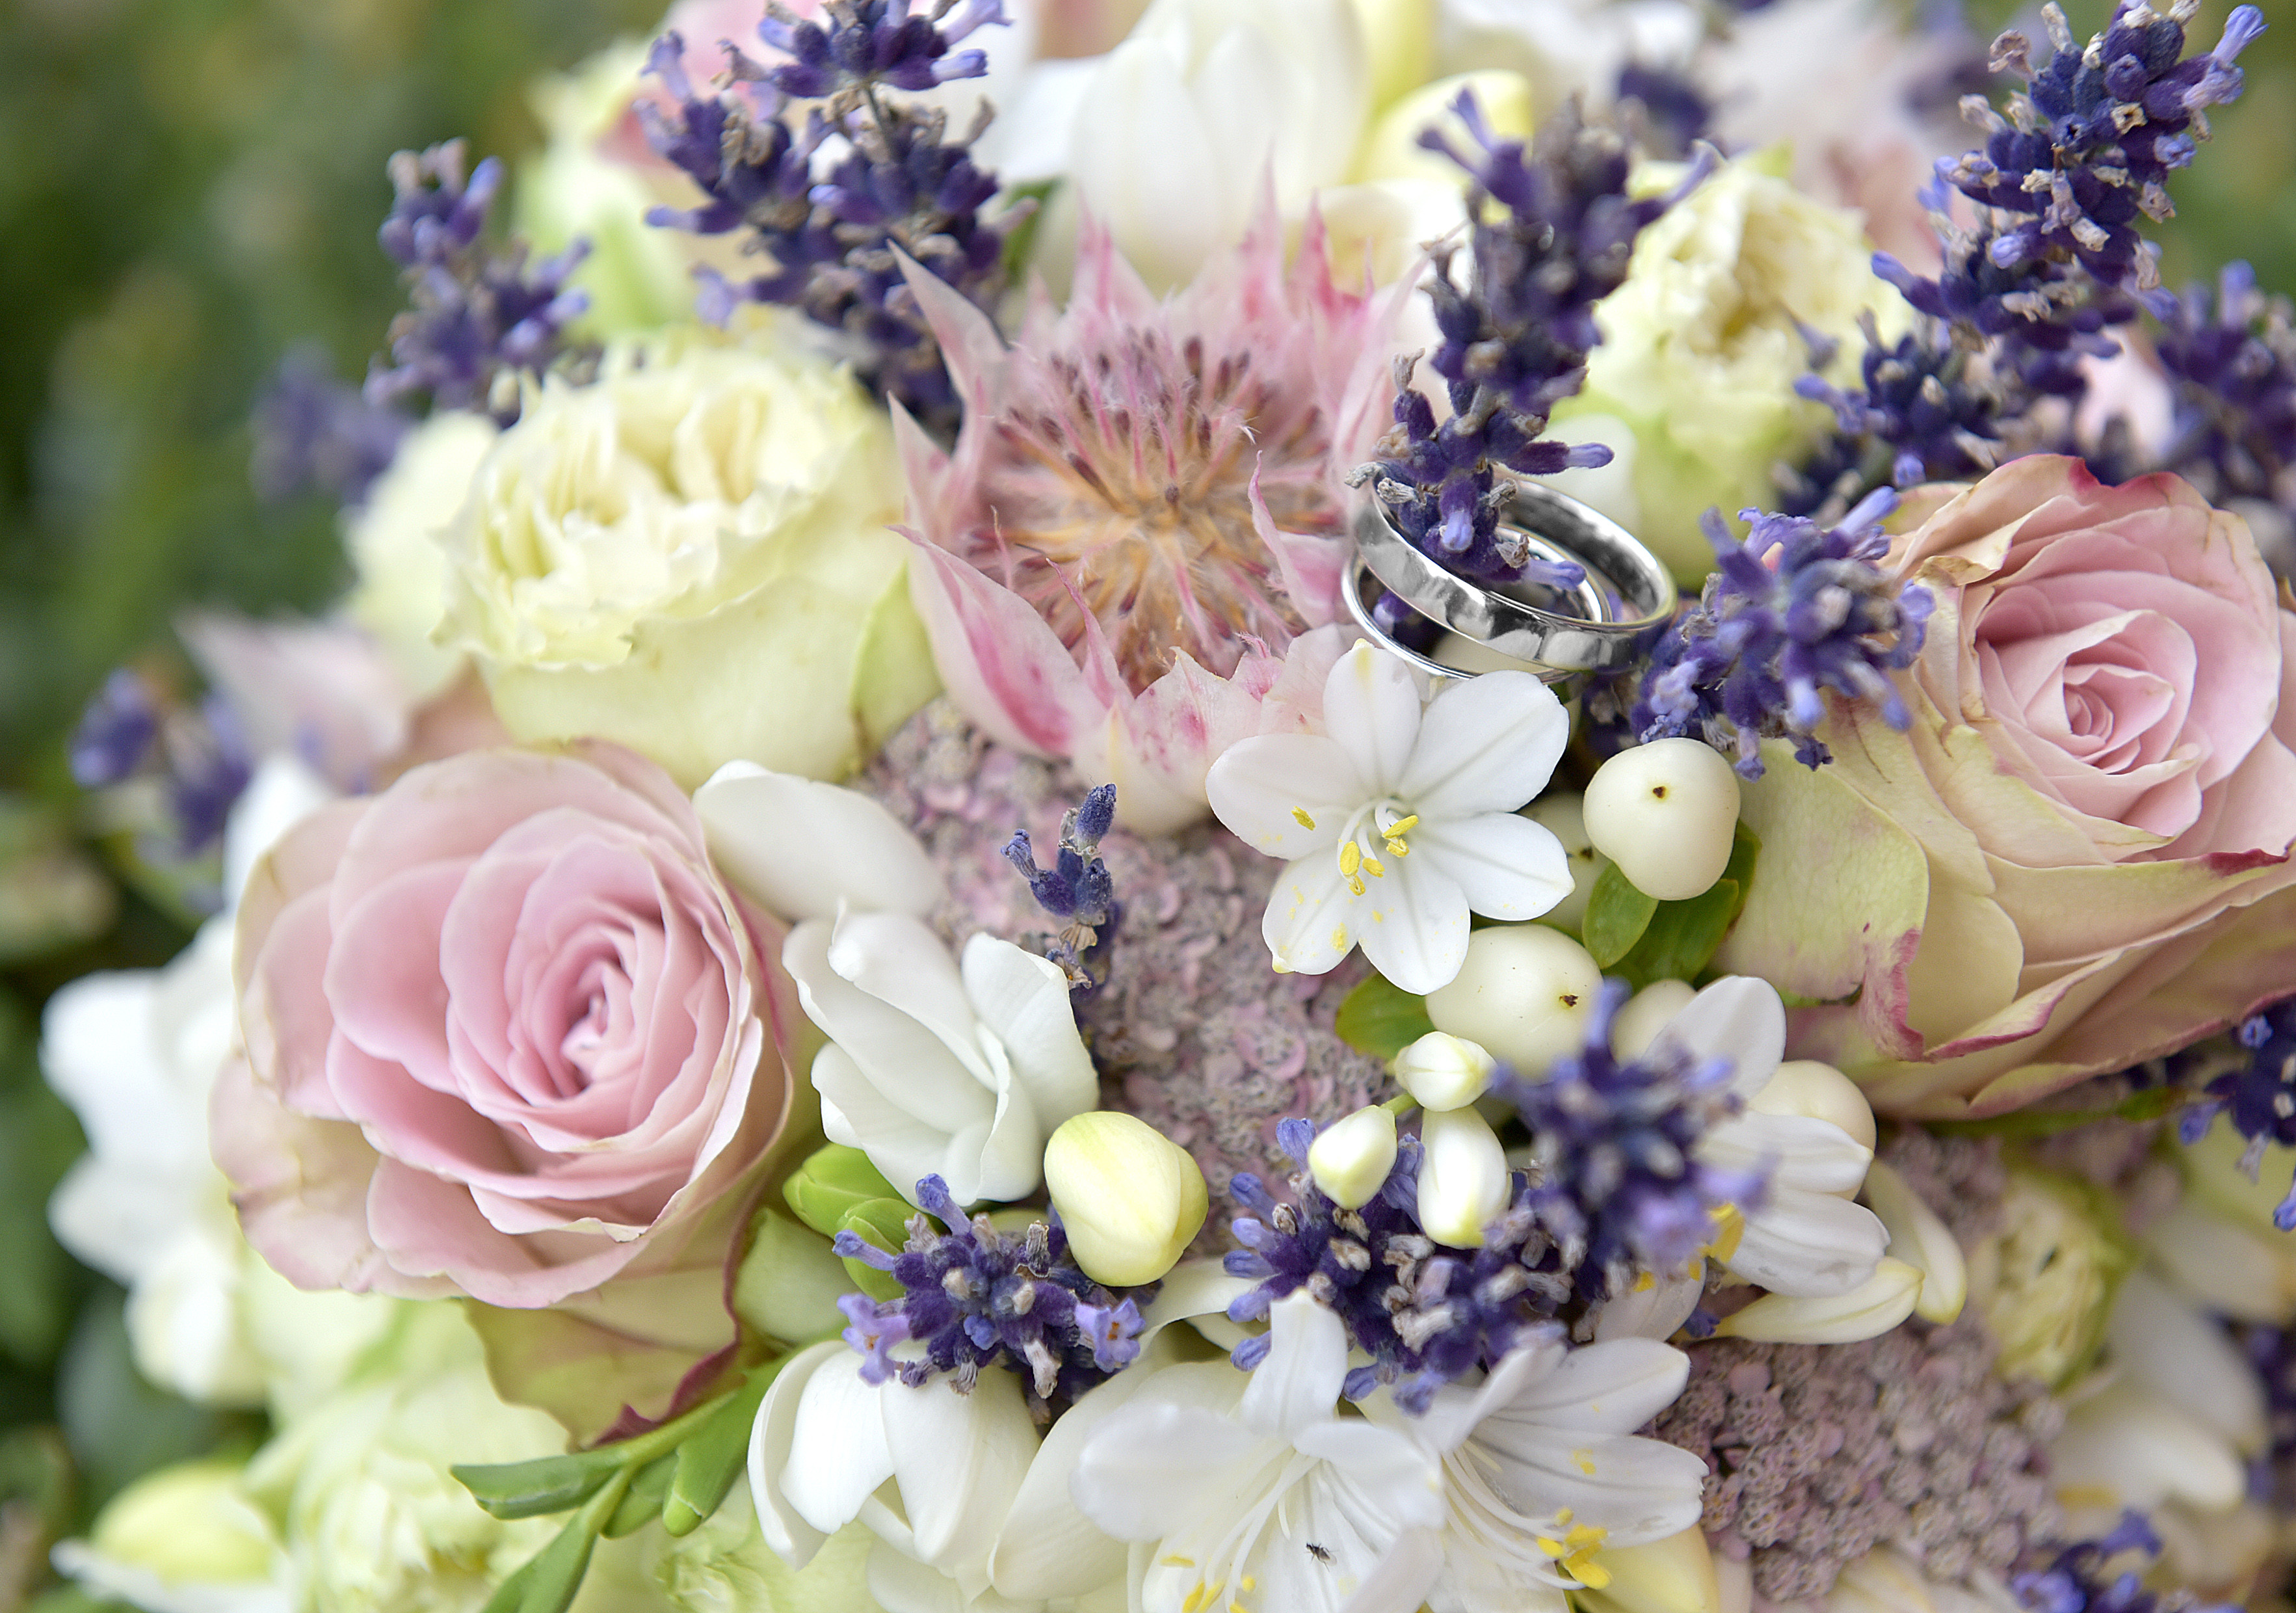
506, 1034
2074, 858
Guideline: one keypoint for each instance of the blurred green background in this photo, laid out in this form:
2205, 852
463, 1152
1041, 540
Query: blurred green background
188, 188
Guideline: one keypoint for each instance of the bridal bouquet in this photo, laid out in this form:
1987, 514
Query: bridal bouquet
1296, 808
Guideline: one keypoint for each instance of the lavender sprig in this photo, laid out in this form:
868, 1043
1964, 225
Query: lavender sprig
2075, 1580
312, 431
198, 753
832, 242
2234, 362
1615, 1180
479, 317
1551, 234
1424, 1312
2053, 261
977, 1297
1076, 889
2259, 1097
1795, 609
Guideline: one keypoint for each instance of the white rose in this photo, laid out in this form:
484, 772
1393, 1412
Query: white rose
1702, 347
691, 557
395, 542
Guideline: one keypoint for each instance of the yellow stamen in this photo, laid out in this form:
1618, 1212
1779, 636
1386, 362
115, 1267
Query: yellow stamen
1371, 867
1396, 848
1301, 813
1247, 1583
1646, 1282
1350, 857
1729, 1227
1401, 826
1177, 1562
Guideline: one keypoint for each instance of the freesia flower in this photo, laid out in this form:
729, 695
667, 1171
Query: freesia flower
931, 1472
2076, 855
1397, 822
934, 1067
1803, 1237
1542, 1470
1253, 1490
1131, 557
506, 1034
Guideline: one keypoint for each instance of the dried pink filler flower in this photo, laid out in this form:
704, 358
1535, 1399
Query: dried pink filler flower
1126, 558
1191, 1033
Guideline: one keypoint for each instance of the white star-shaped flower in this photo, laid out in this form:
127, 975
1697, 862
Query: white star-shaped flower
1397, 821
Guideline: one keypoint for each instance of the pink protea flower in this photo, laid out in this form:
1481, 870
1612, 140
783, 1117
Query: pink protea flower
1132, 558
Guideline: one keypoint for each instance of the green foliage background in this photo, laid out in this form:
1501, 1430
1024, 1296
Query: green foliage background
188, 188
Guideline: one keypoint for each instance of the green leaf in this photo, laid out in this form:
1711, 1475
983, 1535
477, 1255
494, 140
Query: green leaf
548, 1484
710, 1460
641, 1504
1381, 1019
1681, 938
554, 1575
1617, 914
1023, 239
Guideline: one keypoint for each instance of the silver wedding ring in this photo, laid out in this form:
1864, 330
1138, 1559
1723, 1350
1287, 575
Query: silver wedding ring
1626, 596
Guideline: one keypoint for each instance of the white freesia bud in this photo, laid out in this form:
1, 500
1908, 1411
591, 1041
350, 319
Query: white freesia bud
1665, 812
1463, 1177
1351, 1157
1804, 1086
1562, 814
1130, 1198
1638, 1024
1444, 1072
1671, 1575
2227, 1268
1867, 1311
1919, 1239
1523, 993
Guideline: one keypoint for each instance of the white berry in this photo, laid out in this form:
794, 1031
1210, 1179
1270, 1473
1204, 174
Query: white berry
1562, 814
1524, 994
1665, 812
1646, 1014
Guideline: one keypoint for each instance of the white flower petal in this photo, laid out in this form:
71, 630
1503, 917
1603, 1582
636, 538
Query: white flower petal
1636, 1489
1604, 1388
900, 1143
2143, 1451
1485, 745
1023, 1000
1298, 1383
1309, 925
1655, 1312
1048, 1548
1371, 709
1867, 1311
837, 1452
1921, 1241
1740, 1019
1509, 866
918, 1071
1802, 1151
959, 1460
785, 1529
798, 847
1144, 1472
1809, 1244
1412, 924
1260, 787
2183, 1357
900, 962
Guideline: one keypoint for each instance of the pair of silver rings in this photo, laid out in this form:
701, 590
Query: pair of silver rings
1626, 596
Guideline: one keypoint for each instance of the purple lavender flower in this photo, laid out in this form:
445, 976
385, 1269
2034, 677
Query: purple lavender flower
1673, 113
1795, 609
478, 318
1550, 234
2233, 360
2259, 1099
1424, 1312
1616, 1182
834, 242
2054, 258
977, 1296
312, 431
2074, 1582
1077, 888
115, 733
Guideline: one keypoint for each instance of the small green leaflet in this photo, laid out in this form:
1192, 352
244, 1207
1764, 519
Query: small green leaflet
1381, 1019
1680, 938
1617, 914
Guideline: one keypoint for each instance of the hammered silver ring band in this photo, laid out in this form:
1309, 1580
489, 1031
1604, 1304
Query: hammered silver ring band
1626, 596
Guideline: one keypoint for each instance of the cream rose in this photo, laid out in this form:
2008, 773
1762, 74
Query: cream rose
2078, 855
691, 557
1693, 385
